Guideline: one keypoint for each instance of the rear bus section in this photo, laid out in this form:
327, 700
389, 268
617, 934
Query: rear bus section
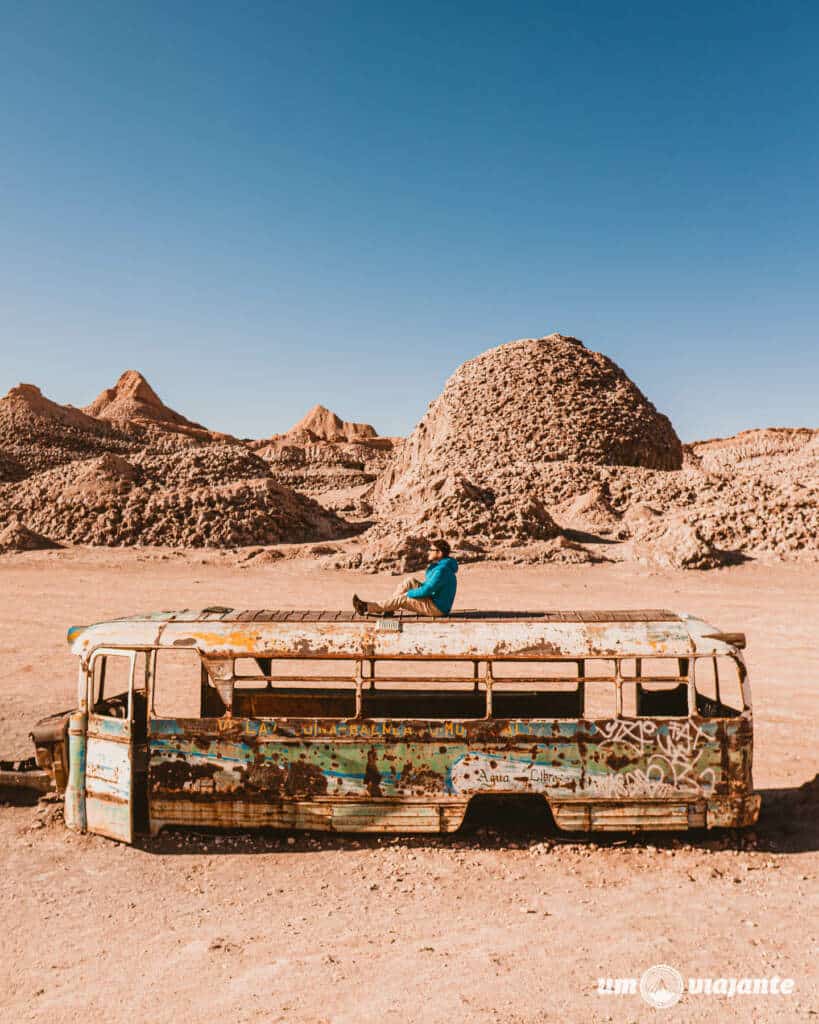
619, 721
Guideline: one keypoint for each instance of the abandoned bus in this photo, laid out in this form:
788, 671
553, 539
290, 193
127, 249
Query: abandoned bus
329, 720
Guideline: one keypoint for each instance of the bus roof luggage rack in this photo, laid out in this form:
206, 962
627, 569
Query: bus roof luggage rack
216, 614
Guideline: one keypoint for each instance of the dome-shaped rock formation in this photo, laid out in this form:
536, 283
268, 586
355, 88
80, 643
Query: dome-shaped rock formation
501, 421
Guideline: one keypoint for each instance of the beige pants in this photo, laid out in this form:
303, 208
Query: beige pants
399, 600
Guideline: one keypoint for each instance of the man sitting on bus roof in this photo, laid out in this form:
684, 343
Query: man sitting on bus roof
435, 596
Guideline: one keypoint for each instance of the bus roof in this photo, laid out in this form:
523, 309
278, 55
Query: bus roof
469, 634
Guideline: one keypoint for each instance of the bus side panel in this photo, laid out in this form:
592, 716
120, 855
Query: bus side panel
197, 769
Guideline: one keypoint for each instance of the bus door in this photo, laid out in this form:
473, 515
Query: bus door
109, 764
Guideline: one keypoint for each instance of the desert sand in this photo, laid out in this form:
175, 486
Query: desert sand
504, 922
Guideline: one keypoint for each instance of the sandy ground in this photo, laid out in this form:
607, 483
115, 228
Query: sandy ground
504, 922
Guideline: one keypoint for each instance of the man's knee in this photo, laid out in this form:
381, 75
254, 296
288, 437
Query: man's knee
404, 586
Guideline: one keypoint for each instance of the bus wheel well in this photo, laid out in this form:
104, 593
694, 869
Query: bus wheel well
521, 813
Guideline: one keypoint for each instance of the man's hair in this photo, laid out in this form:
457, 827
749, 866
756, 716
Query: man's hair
442, 546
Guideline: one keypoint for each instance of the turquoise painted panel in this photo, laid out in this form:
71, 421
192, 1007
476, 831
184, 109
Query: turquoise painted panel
616, 758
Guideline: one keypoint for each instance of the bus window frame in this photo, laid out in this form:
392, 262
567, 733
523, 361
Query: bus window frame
225, 677
742, 678
87, 702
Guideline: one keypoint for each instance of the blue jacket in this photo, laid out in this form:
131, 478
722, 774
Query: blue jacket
440, 583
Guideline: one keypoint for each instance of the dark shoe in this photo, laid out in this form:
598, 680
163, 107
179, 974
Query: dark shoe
359, 605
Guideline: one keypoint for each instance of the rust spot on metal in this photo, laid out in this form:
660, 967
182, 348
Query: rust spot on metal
618, 761
305, 780
263, 780
372, 776
422, 780
175, 775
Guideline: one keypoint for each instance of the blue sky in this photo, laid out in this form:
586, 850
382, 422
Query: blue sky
263, 206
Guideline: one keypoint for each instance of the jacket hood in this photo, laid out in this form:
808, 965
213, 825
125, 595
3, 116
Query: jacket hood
449, 563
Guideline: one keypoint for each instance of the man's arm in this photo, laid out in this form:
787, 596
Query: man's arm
429, 588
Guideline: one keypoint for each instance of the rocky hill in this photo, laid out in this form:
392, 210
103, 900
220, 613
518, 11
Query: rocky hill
320, 424
751, 447
476, 466
111, 501
132, 401
538, 450
329, 459
541, 442
39, 434
129, 470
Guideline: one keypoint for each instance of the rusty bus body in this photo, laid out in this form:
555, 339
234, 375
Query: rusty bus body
331, 721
